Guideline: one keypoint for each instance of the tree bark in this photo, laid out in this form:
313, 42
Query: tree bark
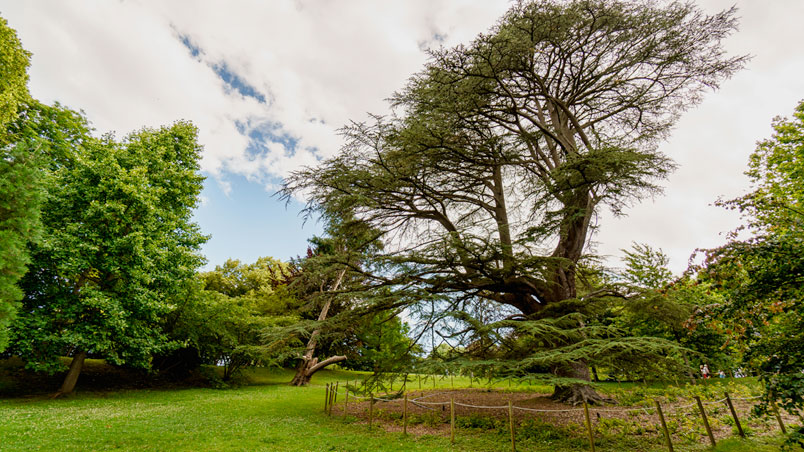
308, 366
72, 375
576, 393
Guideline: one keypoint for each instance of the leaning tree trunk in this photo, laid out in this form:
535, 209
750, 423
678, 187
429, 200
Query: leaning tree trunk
310, 365
72, 375
305, 371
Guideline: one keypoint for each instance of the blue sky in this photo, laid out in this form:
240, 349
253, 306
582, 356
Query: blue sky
249, 222
269, 83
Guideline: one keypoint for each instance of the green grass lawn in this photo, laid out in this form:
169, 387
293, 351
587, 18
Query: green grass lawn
266, 415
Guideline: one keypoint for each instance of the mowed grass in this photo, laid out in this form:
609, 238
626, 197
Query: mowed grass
271, 416
267, 415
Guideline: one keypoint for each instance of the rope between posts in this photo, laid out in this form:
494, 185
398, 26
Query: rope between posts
376, 398
647, 410
534, 410
422, 406
481, 406
621, 410
430, 403
746, 398
431, 395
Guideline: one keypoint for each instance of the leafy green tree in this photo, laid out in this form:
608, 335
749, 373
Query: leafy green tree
661, 305
238, 302
20, 191
118, 242
487, 178
13, 74
762, 278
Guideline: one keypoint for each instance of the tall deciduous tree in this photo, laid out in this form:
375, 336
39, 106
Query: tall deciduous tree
762, 278
20, 193
488, 177
238, 302
117, 243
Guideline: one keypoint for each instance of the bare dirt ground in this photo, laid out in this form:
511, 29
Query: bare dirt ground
429, 413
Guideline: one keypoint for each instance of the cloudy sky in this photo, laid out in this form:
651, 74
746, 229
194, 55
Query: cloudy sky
268, 83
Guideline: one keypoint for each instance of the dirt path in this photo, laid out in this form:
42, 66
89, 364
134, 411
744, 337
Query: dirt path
428, 412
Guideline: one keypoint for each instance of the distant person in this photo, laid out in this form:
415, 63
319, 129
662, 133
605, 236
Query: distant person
721, 374
705, 371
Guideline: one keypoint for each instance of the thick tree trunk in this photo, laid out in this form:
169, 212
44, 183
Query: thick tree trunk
572, 238
72, 375
576, 393
573, 233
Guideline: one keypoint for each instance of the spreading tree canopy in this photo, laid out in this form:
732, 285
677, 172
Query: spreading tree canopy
220, 317
117, 243
487, 177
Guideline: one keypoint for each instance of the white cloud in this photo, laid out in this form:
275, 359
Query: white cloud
321, 63
712, 142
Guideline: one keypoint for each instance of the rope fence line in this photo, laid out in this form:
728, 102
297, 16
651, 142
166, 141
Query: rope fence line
419, 402
333, 391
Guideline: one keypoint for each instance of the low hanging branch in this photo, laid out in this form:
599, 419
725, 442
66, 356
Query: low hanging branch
310, 365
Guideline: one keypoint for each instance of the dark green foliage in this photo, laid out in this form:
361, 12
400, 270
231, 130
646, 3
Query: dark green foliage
219, 317
486, 179
380, 343
661, 306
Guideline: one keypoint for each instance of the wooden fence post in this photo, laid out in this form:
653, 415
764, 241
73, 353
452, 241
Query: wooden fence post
405, 416
452, 420
706, 421
433, 375
511, 425
371, 411
589, 426
420, 381
335, 395
346, 401
664, 427
734, 415
326, 400
778, 416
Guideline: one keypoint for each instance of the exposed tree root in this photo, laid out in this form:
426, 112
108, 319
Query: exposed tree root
577, 394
